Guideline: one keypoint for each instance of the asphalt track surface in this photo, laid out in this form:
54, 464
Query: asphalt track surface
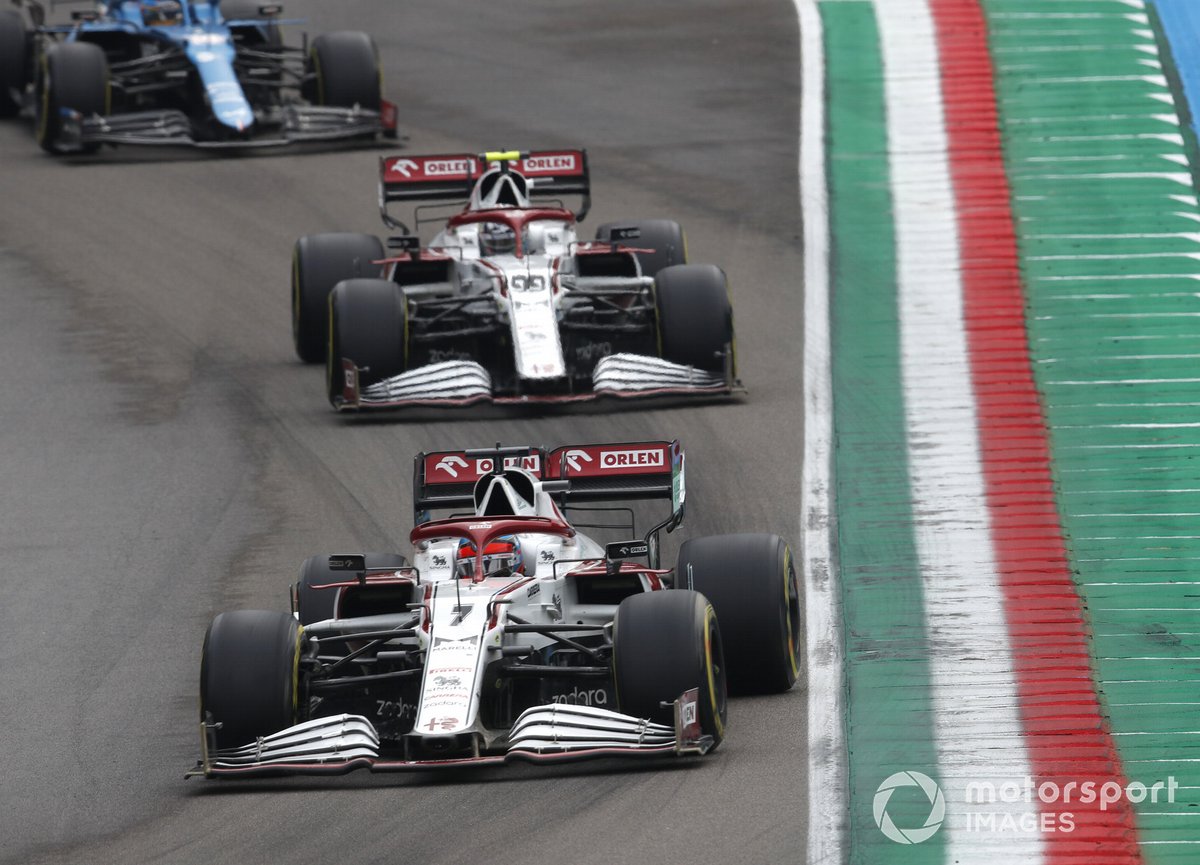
164, 457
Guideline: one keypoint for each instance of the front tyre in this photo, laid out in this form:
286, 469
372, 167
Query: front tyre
368, 326
665, 643
74, 76
695, 319
319, 262
346, 70
14, 73
249, 675
751, 581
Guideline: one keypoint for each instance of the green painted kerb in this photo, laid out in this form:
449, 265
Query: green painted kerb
1114, 318
888, 716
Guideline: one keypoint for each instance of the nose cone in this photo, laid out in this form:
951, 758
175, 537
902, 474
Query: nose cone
239, 119
230, 106
213, 55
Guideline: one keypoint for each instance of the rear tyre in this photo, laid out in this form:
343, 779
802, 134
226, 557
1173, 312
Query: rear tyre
664, 236
751, 581
695, 319
319, 262
249, 675
74, 75
368, 326
14, 72
346, 70
665, 643
316, 605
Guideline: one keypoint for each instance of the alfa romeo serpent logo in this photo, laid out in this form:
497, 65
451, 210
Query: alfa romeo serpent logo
937, 807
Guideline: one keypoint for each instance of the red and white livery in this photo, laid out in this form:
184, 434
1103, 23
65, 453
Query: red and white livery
506, 303
507, 633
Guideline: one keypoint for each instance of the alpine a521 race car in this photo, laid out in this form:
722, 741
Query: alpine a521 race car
509, 634
507, 304
209, 73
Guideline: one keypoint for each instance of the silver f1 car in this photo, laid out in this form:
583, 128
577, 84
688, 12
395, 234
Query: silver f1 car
507, 303
509, 634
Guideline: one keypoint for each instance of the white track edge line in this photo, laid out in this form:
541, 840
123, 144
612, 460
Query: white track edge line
827, 770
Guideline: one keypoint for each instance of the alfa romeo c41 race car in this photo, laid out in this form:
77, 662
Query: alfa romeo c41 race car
209, 73
506, 303
509, 634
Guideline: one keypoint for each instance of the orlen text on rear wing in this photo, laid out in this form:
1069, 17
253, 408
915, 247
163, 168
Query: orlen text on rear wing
450, 177
444, 480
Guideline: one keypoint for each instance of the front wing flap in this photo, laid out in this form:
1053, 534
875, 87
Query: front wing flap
542, 734
173, 128
464, 383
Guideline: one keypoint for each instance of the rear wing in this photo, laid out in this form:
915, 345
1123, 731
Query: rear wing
444, 480
450, 177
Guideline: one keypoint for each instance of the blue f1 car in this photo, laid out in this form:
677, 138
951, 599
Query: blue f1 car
208, 73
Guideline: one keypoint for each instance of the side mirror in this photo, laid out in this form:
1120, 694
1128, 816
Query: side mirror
409, 243
618, 551
347, 562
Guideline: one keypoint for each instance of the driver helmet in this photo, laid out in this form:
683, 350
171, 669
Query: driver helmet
496, 238
501, 557
161, 12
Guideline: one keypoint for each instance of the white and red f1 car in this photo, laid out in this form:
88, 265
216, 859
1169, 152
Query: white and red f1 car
508, 634
506, 303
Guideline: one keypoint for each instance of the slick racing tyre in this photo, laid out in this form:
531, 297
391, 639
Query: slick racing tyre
665, 643
316, 605
368, 327
346, 70
74, 75
14, 73
249, 675
695, 320
319, 262
664, 236
751, 581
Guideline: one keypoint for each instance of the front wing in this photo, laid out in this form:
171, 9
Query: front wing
542, 734
463, 383
172, 128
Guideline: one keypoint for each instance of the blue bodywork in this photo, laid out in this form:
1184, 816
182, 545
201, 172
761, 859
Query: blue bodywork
208, 43
181, 73
202, 33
